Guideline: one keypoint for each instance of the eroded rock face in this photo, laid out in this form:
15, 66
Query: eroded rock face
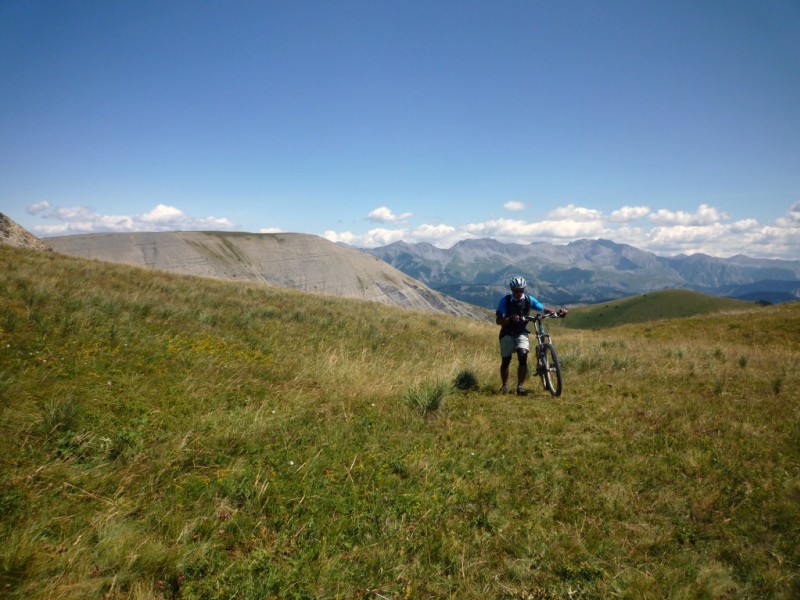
291, 260
12, 234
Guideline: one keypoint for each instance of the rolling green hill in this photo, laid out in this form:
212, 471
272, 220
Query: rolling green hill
655, 306
170, 437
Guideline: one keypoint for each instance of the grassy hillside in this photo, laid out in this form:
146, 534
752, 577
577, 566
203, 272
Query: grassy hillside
170, 437
654, 306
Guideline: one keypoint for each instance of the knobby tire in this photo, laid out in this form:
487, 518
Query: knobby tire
550, 369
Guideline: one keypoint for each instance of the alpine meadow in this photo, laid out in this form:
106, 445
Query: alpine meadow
168, 436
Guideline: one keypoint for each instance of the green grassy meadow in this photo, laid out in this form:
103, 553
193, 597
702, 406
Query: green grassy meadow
644, 308
173, 437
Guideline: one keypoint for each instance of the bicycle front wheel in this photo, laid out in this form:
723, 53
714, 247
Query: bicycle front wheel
550, 369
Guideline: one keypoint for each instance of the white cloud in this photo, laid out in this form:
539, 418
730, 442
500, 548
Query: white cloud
724, 239
514, 205
270, 230
522, 231
346, 237
626, 214
442, 236
385, 215
371, 239
83, 219
743, 226
163, 214
791, 218
575, 213
705, 215
39, 207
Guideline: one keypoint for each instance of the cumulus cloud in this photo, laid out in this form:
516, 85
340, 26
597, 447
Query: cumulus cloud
511, 230
385, 215
746, 236
705, 215
442, 236
514, 205
38, 208
627, 214
270, 230
83, 219
791, 218
575, 213
163, 214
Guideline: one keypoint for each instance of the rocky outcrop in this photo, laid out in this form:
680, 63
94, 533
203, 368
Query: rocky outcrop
292, 260
12, 234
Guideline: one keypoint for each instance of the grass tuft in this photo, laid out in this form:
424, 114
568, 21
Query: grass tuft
427, 398
60, 414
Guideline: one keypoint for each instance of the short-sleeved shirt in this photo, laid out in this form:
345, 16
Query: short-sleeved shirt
510, 306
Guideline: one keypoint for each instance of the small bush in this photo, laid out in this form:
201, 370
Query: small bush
466, 381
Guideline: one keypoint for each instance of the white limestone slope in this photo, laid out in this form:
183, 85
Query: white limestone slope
291, 260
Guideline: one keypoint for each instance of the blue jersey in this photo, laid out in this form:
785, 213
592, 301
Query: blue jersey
509, 306
503, 308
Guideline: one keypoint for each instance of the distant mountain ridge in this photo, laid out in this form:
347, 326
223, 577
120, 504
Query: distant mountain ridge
586, 271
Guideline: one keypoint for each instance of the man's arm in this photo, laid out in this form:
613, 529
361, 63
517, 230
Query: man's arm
539, 307
536, 305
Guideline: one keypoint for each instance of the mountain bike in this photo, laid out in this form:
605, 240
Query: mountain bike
548, 367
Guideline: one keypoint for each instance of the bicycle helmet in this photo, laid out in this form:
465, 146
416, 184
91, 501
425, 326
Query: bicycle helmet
517, 283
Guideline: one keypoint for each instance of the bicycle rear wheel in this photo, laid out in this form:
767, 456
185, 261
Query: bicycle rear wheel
550, 369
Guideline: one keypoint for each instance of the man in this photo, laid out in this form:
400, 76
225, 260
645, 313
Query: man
510, 315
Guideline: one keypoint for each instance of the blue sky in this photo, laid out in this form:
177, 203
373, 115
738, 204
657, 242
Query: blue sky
672, 126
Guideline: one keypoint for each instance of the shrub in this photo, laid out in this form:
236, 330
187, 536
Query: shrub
466, 381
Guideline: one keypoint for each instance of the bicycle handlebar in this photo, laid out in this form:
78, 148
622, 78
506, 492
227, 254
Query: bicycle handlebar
542, 317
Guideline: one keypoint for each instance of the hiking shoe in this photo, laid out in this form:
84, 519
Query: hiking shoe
521, 391
504, 390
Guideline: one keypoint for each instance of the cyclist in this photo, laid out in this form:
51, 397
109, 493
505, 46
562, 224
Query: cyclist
510, 315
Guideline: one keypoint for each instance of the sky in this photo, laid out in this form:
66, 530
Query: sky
671, 126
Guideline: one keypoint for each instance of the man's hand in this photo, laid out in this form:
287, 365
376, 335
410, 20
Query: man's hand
562, 313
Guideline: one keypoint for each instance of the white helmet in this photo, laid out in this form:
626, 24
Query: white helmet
517, 283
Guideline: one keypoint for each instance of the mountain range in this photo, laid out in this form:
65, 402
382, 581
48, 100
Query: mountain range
462, 280
586, 271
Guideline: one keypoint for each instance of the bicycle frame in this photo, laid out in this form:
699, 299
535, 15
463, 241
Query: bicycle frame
548, 366
542, 336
